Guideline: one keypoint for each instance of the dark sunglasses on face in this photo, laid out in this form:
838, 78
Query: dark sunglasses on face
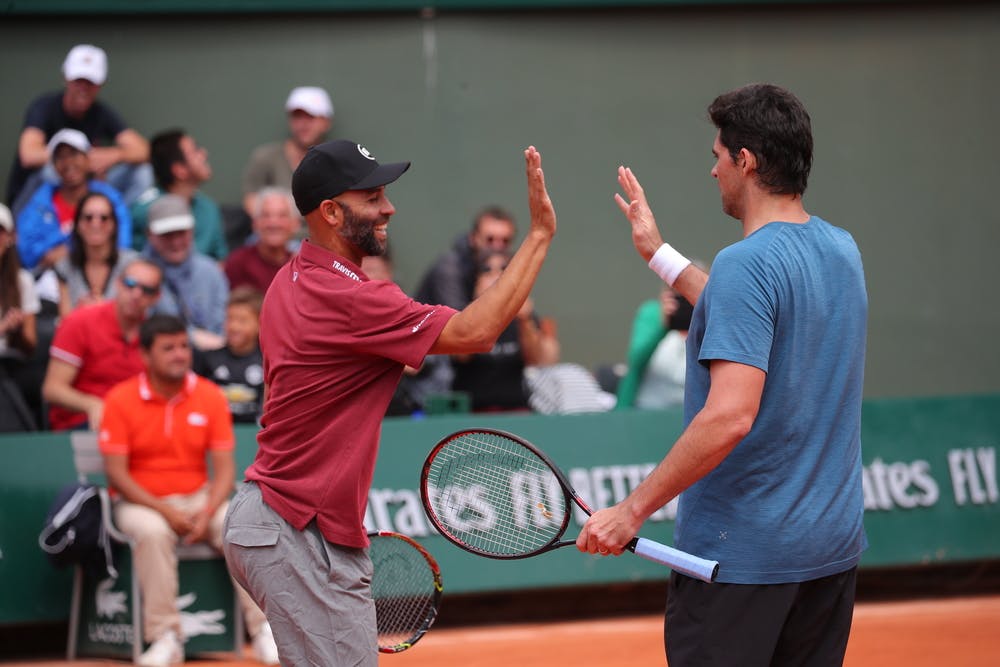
132, 283
103, 217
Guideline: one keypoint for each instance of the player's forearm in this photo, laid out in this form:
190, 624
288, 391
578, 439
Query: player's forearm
690, 283
703, 445
477, 327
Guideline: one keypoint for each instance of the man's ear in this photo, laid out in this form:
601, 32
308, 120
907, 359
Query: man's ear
331, 212
747, 161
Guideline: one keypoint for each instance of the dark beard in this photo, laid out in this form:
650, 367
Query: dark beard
361, 232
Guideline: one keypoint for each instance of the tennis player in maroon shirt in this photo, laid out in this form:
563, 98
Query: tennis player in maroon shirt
335, 344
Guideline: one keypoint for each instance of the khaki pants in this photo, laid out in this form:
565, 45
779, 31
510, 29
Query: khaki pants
155, 557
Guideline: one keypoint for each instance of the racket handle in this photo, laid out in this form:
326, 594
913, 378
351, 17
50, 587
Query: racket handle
675, 559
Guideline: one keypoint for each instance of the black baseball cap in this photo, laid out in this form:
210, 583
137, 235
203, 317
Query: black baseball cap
331, 168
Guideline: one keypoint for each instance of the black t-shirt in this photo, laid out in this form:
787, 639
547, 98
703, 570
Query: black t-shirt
494, 380
240, 378
101, 124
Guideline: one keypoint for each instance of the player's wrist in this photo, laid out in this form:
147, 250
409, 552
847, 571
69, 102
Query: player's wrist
668, 263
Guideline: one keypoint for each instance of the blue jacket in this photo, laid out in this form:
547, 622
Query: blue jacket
38, 226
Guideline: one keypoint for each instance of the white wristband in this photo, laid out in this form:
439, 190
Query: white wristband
668, 263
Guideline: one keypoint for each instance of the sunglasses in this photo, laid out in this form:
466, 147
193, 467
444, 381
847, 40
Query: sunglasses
132, 283
102, 217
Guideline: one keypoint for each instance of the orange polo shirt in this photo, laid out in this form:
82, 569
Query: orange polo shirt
166, 441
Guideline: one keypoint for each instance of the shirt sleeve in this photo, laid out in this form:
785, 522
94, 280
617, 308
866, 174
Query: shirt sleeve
114, 434
389, 324
740, 310
69, 343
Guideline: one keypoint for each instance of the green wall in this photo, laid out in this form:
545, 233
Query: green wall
903, 101
930, 486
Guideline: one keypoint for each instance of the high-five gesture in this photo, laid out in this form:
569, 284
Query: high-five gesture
543, 215
686, 278
645, 235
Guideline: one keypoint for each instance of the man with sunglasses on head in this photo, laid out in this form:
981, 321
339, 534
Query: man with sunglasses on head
95, 347
335, 344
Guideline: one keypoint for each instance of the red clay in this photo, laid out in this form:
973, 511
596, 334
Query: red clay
961, 632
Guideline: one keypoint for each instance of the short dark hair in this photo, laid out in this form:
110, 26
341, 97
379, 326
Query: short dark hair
159, 325
497, 212
771, 123
164, 152
244, 295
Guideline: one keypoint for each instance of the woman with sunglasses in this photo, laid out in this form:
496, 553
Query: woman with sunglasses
88, 274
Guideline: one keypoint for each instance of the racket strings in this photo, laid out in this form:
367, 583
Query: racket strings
405, 590
495, 495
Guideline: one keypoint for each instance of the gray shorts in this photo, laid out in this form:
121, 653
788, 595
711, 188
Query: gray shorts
316, 595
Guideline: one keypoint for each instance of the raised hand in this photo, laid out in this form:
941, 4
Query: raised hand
543, 214
645, 235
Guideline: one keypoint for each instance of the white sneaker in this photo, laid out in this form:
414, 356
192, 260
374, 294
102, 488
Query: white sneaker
165, 651
264, 648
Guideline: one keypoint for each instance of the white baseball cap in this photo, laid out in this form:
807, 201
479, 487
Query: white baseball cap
70, 137
311, 99
86, 61
169, 213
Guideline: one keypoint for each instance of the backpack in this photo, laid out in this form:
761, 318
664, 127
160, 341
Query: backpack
75, 531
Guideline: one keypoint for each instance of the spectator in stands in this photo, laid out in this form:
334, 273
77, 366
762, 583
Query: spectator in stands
160, 474
46, 221
117, 153
90, 272
451, 280
238, 368
195, 288
181, 167
495, 379
657, 353
97, 346
18, 306
310, 114
275, 224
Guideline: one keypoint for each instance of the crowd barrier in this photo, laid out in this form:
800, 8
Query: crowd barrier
930, 484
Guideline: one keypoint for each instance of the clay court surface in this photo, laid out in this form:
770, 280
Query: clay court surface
959, 632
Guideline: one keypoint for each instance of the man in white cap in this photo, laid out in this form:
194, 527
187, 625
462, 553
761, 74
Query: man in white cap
194, 287
117, 152
310, 114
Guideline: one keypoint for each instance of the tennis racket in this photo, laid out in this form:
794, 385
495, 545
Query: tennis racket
497, 495
406, 587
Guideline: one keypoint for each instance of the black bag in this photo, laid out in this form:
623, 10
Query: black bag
75, 533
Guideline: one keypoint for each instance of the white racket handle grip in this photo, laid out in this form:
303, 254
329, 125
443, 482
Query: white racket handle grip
678, 560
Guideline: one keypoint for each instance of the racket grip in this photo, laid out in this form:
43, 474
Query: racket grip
675, 559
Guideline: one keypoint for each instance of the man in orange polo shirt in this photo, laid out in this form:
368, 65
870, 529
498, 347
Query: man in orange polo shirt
158, 432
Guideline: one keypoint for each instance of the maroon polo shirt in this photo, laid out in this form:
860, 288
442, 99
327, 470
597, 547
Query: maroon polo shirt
334, 346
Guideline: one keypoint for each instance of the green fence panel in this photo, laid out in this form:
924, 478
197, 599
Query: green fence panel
930, 484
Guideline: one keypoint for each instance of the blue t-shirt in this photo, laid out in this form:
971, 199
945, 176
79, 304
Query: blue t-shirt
786, 504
